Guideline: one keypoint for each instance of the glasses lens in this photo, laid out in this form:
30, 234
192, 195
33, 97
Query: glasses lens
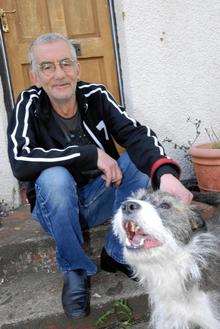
47, 68
67, 64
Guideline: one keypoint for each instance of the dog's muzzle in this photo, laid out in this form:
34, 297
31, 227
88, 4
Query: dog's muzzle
136, 238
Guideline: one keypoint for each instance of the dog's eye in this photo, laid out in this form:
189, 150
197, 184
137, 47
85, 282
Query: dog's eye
164, 205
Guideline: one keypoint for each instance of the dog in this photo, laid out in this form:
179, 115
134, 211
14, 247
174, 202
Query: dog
175, 256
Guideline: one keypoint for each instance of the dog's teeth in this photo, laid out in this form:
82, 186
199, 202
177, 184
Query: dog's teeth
142, 241
137, 228
127, 242
132, 227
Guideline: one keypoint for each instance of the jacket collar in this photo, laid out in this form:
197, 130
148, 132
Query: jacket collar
44, 108
44, 112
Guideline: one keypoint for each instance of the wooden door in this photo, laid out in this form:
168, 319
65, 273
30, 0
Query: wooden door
85, 21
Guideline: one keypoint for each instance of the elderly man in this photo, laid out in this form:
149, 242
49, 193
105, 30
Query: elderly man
61, 141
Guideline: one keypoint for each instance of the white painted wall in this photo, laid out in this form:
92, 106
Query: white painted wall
170, 54
8, 184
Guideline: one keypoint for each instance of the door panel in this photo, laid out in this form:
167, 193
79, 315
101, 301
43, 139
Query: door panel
85, 21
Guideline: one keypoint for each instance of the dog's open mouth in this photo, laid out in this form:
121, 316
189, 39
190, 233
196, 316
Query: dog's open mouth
136, 238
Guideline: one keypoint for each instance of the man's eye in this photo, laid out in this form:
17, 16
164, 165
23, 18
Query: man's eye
46, 66
66, 63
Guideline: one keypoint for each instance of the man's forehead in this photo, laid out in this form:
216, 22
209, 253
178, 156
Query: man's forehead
51, 51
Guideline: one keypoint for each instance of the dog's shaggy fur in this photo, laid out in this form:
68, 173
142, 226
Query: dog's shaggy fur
176, 257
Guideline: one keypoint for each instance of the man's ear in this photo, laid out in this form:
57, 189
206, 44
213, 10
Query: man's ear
78, 70
34, 78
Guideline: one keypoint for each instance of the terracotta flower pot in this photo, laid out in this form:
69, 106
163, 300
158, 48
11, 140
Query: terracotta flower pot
206, 162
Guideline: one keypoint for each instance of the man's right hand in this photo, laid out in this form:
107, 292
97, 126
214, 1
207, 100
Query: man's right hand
111, 171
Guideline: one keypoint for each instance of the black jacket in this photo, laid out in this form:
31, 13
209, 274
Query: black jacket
36, 142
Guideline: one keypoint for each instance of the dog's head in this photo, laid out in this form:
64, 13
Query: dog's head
149, 221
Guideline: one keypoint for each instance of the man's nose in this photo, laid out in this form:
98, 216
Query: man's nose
129, 207
59, 72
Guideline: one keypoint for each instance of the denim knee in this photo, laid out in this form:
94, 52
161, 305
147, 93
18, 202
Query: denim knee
55, 183
126, 164
130, 171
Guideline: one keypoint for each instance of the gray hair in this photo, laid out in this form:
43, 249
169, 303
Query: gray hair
47, 38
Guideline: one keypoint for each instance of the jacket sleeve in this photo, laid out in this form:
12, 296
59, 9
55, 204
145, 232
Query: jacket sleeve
140, 141
27, 157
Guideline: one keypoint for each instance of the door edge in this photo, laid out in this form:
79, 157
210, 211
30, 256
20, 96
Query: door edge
5, 76
116, 50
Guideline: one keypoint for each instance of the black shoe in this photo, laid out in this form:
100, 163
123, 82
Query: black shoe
108, 264
75, 295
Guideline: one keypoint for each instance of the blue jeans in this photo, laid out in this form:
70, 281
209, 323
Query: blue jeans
63, 209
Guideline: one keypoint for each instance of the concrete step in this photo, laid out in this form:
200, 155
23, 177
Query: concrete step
33, 301
140, 325
26, 248
30, 287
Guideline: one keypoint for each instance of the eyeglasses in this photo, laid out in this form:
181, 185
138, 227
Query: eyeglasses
49, 68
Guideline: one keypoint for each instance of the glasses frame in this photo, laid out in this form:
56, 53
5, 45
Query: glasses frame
51, 71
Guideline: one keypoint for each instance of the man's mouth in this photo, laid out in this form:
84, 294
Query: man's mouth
62, 85
137, 239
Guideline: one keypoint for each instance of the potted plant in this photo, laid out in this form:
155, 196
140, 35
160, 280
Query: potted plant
206, 161
205, 157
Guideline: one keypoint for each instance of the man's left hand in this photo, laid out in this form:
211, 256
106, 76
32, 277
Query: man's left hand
170, 184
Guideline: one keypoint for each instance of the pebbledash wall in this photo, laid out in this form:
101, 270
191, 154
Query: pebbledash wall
170, 58
8, 184
170, 62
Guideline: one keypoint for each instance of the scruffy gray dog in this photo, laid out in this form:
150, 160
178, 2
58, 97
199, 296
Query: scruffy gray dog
176, 257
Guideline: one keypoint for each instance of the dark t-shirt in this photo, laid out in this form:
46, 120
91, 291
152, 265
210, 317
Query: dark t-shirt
72, 129
75, 135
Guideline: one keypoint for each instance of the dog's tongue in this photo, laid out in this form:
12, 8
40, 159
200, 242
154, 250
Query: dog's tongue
149, 241
152, 243
137, 238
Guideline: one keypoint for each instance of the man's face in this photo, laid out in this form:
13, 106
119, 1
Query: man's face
60, 85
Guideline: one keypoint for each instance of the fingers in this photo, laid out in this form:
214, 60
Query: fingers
187, 197
113, 175
113, 180
172, 185
107, 177
117, 177
109, 167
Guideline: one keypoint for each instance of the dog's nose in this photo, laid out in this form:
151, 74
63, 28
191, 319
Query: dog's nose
128, 207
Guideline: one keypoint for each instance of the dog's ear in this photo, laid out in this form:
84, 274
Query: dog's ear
212, 198
196, 220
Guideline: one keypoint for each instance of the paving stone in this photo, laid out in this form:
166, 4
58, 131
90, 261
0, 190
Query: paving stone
34, 301
26, 248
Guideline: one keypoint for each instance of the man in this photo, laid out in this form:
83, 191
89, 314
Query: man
61, 141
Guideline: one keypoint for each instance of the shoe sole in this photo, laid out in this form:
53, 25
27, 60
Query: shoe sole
77, 316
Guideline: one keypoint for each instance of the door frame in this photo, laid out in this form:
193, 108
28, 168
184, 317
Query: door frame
4, 67
5, 77
116, 50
